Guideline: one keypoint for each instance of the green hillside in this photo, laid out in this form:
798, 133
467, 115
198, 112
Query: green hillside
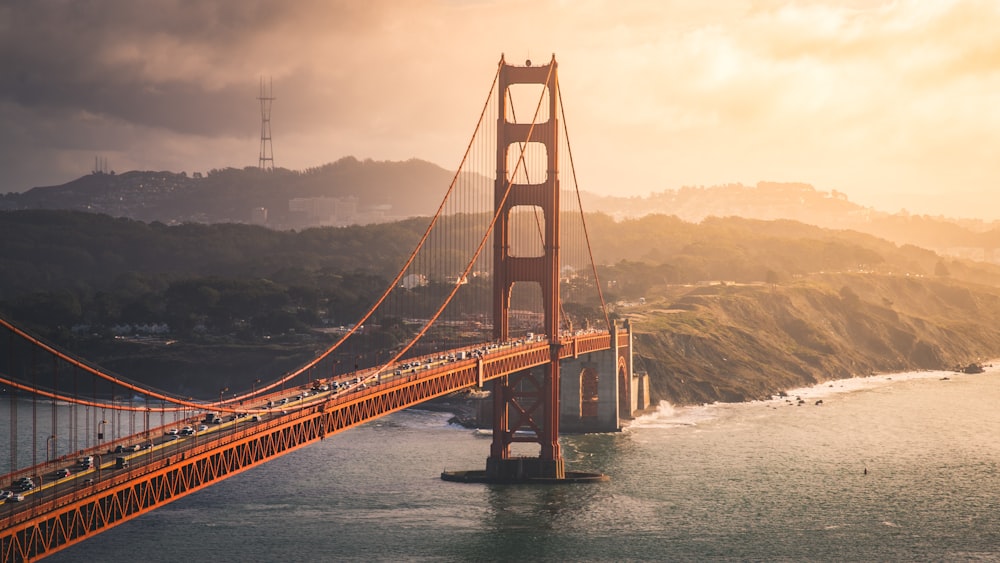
725, 309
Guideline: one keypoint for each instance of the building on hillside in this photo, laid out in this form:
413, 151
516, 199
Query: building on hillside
258, 216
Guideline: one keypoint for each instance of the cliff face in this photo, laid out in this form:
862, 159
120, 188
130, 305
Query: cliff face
743, 342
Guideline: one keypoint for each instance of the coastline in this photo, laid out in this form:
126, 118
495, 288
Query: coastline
463, 405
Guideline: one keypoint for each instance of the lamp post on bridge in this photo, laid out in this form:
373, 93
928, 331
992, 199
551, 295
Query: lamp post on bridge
100, 433
48, 441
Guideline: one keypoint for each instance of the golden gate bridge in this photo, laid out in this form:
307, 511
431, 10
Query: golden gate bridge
478, 304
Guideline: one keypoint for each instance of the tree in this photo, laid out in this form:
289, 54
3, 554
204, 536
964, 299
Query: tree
941, 269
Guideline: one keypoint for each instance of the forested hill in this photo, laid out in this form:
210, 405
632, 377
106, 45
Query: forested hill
366, 192
59, 250
726, 309
352, 191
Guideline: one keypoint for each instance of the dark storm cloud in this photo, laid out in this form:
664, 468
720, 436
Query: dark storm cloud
113, 57
101, 76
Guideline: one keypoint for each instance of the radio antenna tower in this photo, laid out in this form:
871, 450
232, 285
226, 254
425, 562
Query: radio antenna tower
266, 161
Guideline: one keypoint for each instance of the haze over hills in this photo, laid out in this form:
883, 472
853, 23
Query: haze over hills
726, 307
351, 191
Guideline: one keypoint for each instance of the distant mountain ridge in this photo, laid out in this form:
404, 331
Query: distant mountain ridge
366, 191
352, 191
962, 238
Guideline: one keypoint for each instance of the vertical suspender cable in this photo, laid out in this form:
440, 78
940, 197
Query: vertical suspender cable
13, 407
34, 408
74, 422
586, 234
55, 413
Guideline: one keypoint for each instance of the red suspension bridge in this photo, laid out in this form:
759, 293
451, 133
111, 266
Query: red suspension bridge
477, 305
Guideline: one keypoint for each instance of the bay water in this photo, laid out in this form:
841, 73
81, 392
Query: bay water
886, 468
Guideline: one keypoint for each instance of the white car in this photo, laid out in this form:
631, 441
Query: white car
172, 432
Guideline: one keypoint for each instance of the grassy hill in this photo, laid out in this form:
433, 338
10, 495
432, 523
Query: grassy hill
799, 304
729, 342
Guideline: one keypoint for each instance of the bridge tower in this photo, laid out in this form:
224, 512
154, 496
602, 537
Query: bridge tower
526, 406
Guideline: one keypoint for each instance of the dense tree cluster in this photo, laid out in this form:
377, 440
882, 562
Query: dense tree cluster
72, 269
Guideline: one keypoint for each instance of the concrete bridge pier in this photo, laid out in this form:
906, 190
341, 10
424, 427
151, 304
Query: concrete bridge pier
600, 391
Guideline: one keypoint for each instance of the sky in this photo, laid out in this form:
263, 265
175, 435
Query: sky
894, 103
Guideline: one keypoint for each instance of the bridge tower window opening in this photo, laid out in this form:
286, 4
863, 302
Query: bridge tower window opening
527, 165
523, 315
522, 101
526, 235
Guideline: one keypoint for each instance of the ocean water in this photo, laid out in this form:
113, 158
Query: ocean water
886, 468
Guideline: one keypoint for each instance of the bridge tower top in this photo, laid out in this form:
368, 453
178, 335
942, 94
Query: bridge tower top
513, 140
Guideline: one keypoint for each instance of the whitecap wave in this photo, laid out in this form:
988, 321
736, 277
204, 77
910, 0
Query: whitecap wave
670, 416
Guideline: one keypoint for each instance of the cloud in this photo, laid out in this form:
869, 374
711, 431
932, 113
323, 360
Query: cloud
870, 98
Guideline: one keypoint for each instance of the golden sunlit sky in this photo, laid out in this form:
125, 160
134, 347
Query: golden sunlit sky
894, 103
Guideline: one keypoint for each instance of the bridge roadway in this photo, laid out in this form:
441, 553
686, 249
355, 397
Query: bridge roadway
63, 511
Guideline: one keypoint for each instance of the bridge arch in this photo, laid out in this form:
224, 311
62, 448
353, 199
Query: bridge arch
624, 392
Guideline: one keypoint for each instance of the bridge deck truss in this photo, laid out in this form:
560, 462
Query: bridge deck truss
56, 523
